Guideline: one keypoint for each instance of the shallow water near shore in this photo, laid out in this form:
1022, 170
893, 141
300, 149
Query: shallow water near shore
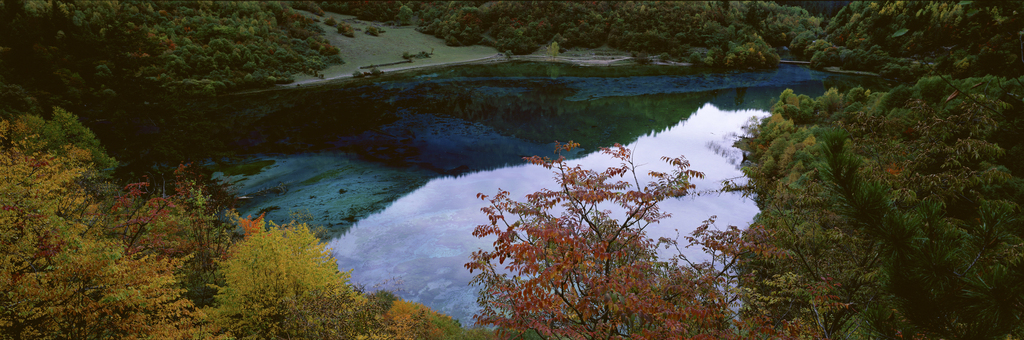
391, 167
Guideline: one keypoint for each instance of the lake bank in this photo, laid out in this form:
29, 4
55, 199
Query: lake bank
364, 50
336, 77
396, 196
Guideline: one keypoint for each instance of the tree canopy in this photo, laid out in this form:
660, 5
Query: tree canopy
903, 205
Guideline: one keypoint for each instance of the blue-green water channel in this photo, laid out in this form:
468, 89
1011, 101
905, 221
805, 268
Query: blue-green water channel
391, 166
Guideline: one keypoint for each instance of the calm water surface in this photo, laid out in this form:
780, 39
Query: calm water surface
392, 167
423, 239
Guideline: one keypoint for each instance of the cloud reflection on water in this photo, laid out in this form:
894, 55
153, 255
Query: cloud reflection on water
424, 238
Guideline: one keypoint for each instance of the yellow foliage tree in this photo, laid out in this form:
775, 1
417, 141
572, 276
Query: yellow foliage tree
553, 49
59, 136
270, 280
60, 278
412, 321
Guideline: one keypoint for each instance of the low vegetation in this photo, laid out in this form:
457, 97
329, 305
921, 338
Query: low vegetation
883, 214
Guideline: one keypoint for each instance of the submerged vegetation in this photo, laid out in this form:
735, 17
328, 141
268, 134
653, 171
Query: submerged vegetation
883, 214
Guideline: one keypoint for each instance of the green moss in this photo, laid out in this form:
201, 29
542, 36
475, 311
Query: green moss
247, 169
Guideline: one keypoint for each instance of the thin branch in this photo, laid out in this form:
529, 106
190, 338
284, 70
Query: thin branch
969, 96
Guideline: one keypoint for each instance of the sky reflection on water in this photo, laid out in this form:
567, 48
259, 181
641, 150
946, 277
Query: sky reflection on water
418, 245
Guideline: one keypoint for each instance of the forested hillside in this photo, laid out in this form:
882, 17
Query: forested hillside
134, 68
96, 50
113, 62
72, 54
883, 214
908, 39
899, 212
719, 34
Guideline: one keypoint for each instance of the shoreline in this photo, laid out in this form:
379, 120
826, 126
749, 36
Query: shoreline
492, 59
837, 69
496, 58
606, 61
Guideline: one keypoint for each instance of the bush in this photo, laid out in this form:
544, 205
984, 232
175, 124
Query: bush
856, 94
405, 15
346, 30
331, 22
408, 320
372, 30
822, 59
755, 54
896, 98
517, 45
642, 58
696, 59
799, 44
357, 74
270, 268
376, 71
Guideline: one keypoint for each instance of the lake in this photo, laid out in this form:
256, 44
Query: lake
390, 167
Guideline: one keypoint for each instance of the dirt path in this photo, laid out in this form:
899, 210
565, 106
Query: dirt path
363, 50
415, 65
492, 59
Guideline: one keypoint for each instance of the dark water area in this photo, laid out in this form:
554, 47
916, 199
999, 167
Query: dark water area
535, 103
390, 166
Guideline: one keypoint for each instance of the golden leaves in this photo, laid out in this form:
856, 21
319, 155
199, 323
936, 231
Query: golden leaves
280, 263
64, 274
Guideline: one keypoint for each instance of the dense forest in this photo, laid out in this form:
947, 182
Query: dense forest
125, 66
721, 34
961, 39
883, 214
899, 212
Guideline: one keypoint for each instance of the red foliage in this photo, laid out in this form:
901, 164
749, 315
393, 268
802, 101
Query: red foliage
585, 275
252, 226
175, 225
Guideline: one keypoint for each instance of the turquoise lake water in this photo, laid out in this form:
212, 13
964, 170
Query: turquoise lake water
391, 167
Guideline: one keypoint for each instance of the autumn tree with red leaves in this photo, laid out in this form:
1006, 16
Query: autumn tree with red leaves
61, 276
583, 274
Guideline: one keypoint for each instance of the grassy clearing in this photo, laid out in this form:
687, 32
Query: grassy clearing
388, 47
365, 50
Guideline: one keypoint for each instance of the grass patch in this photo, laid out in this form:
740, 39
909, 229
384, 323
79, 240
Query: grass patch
322, 176
364, 49
246, 169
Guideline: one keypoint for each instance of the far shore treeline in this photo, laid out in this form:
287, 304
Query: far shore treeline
883, 214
